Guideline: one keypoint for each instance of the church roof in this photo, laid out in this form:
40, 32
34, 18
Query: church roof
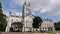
47, 20
16, 16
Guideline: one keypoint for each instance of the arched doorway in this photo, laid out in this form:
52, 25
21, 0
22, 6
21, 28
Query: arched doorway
16, 27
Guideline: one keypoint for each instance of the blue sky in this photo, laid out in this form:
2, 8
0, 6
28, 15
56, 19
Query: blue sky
43, 8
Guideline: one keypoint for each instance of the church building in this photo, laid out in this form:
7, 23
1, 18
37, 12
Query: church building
47, 25
25, 21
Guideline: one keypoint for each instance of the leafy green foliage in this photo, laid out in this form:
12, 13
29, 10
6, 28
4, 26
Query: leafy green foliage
37, 22
57, 26
2, 19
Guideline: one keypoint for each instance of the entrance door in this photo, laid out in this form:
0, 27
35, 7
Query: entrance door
16, 27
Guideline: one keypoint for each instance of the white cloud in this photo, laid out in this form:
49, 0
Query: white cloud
33, 13
13, 13
19, 14
54, 1
19, 2
35, 4
43, 5
6, 13
58, 13
46, 9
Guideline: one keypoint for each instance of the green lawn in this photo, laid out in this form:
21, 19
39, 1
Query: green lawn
57, 31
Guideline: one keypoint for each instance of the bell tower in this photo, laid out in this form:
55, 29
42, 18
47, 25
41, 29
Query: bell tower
25, 13
26, 9
27, 17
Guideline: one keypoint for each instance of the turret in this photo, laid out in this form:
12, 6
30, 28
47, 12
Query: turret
10, 12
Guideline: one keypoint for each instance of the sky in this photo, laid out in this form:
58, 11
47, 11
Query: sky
44, 8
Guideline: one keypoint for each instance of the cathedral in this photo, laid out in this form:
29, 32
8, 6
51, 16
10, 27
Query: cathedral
22, 23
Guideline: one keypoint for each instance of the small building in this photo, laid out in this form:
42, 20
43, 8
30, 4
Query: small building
47, 25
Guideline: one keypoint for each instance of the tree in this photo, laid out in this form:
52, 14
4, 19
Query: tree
37, 22
2, 20
57, 25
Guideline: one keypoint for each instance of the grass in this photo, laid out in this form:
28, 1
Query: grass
41, 32
57, 31
50, 32
46, 31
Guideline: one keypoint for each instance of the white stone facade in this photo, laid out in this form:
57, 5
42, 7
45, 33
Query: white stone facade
12, 19
28, 19
47, 25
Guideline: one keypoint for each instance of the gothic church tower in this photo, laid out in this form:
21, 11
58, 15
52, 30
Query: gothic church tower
26, 9
27, 17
